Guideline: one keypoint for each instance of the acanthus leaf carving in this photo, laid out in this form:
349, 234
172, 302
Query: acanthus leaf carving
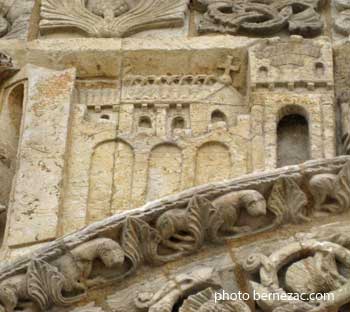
46, 284
140, 242
288, 202
125, 21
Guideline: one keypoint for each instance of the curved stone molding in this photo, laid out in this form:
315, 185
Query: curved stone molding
260, 18
309, 267
169, 229
112, 18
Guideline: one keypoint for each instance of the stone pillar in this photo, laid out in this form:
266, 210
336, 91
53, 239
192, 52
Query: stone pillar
161, 118
37, 191
139, 187
257, 142
329, 127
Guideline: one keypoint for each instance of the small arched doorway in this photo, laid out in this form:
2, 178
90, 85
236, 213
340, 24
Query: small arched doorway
293, 140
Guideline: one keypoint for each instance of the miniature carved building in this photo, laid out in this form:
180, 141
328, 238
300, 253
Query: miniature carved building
155, 154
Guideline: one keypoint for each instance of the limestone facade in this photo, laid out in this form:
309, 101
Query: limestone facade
141, 134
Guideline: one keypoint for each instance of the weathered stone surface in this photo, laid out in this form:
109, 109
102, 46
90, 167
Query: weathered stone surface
139, 147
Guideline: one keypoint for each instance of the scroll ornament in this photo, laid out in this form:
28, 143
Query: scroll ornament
260, 17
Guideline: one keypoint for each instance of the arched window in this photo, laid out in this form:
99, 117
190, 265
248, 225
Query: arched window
263, 71
178, 123
319, 68
145, 122
105, 116
293, 142
15, 107
218, 116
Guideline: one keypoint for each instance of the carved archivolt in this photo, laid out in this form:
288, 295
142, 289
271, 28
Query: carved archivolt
62, 272
99, 18
260, 17
305, 267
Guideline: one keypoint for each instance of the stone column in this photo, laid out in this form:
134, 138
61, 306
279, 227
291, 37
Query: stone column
161, 119
37, 190
257, 142
329, 127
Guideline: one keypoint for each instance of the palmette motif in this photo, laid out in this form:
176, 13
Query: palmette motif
112, 18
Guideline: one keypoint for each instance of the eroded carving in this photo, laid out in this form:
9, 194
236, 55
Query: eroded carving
165, 299
181, 227
14, 20
288, 202
331, 192
310, 267
205, 301
45, 283
7, 67
260, 18
342, 21
112, 18
76, 265
227, 210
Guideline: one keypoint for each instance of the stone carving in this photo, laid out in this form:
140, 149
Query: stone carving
310, 266
192, 221
63, 271
6, 66
260, 18
288, 202
165, 299
227, 210
331, 192
342, 21
14, 20
112, 18
204, 302
140, 242
44, 283
76, 265
184, 88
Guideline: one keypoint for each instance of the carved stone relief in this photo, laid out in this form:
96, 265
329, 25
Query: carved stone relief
309, 267
342, 20
260, 18
15, 19
7, 68
172, 233
111, 18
